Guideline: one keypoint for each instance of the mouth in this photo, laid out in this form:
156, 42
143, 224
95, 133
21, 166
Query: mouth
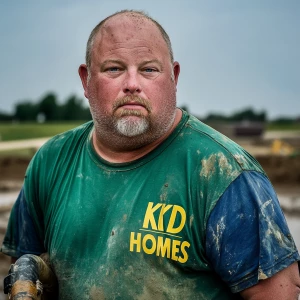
133, 104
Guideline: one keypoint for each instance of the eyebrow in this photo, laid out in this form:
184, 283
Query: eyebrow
152, 61
117, 61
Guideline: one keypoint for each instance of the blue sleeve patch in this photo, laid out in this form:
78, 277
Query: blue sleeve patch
21, 237
247, 235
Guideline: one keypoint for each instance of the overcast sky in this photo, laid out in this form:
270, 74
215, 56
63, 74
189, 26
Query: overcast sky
234, 54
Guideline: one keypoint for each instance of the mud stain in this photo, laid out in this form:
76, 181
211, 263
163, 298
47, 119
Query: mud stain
261, 275
159, 287
273, 228
191, 220
217, 235
216, 163
97, 293
208, 166
163, 197
240, 159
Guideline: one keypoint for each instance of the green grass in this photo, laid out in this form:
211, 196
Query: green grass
276, 126
21, 131
20, 153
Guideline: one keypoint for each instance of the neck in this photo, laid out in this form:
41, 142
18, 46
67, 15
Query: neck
121, 156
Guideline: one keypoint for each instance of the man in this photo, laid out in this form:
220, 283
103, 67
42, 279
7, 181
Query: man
146, 202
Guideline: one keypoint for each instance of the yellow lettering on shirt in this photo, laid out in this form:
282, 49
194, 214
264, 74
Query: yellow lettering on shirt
163, 242
163, 247
136, 242
149, 237
176, 210
149, 216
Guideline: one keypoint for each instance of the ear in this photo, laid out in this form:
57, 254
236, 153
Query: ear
83, 73
176, 71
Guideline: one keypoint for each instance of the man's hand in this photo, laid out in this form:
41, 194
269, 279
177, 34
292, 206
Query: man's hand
285, 285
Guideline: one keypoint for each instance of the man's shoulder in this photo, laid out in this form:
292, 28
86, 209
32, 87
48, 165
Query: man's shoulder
205, 131
214, 145
63, 145
68, 137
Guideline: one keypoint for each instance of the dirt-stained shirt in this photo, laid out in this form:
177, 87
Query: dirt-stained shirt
196, 218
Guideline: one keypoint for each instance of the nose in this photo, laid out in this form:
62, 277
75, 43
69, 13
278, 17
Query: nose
131, 83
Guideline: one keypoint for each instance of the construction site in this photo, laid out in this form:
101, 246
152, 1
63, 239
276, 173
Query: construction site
277, 152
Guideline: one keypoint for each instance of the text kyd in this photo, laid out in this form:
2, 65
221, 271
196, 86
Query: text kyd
165, 221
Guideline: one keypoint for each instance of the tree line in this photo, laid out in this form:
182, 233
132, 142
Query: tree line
246, 114
48, 109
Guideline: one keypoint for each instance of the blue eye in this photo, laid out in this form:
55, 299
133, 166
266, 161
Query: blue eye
149, 70
113, 69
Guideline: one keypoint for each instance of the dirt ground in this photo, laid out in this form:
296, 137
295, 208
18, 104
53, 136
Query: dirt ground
283, 171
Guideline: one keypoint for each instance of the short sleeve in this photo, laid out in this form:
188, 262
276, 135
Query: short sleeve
247, 237
21, 236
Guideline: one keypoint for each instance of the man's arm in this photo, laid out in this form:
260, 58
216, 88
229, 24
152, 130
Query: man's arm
284, 285
248, 240
21, 236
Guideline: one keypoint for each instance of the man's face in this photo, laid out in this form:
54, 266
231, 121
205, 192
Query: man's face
132, 83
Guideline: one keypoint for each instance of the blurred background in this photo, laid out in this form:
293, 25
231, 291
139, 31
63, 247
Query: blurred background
239, 62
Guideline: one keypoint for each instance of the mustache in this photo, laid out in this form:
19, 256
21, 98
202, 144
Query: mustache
132, 99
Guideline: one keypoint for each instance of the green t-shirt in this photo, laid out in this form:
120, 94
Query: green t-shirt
133, 230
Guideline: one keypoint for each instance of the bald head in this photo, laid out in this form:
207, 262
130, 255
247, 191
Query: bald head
137, 17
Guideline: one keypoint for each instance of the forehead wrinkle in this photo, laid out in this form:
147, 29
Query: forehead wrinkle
105, 41
127, 47
120, 53
118, 49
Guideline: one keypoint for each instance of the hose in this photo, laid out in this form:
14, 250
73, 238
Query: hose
30, 278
